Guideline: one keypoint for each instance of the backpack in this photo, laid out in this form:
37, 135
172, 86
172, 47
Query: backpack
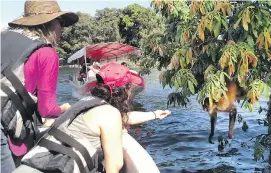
56, 149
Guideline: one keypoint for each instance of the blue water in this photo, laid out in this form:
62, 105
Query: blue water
179, 143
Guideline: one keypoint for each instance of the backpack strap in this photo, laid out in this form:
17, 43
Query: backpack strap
76, 109
63, 137
15, 99
31, 107
52, 146
20, 107
71, 114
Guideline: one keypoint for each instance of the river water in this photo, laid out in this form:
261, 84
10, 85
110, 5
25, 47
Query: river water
179, 143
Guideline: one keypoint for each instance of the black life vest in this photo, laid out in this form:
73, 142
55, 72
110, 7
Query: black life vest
19, 115
58, 153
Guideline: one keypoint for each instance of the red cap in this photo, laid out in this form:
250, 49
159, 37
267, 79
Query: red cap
116, 75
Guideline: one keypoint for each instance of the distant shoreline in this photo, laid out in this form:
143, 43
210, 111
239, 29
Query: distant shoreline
70, 66
131, 65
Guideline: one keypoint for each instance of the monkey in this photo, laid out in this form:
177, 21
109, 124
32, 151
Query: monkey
225, 105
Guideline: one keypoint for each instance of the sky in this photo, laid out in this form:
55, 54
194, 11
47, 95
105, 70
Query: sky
11, 9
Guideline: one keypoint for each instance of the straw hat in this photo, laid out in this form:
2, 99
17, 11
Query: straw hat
37, 12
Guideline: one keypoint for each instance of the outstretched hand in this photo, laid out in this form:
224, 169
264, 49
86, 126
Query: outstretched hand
160, 114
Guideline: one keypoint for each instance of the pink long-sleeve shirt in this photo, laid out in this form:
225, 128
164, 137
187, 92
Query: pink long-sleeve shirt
41, 75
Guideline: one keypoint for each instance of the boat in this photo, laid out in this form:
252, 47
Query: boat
96, 54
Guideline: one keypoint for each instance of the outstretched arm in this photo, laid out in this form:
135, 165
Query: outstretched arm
137, 117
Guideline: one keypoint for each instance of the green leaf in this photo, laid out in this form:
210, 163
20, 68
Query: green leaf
217, 28
250, 41
259, 19
209, 52
212, 88
265, 12
182, 63
238, 21
191, 87
187, 58
266, 91
258, 149
176, 84
255, 33
222, 78
224, 23
213, 54
240, 14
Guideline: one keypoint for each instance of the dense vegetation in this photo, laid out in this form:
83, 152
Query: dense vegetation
206, 42
126, 25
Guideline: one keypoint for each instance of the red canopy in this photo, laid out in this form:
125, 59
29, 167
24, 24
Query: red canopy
108, 50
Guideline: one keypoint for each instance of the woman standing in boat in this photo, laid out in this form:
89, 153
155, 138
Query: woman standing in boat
30, 40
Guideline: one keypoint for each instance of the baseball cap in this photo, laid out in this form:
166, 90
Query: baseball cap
116, 75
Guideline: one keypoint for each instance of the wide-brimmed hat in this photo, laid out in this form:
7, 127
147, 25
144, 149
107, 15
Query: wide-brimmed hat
38, 12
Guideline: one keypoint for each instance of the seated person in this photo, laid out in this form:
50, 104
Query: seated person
126, 65
82, 73
94, 128
93, 70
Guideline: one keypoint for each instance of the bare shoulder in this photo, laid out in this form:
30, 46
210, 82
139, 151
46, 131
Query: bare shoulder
105, 112
107, 109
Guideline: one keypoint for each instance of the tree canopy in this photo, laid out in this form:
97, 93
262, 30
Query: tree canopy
103, 27
206, 42
126, 25
136, 22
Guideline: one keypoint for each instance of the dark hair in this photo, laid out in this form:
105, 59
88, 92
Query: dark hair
124, 63
118, 98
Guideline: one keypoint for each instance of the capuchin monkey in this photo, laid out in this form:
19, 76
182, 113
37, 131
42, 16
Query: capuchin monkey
225, 105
